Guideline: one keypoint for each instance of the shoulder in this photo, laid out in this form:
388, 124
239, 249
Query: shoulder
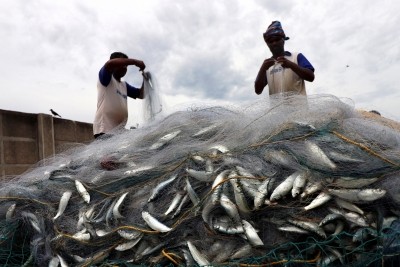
104, 76
303, 61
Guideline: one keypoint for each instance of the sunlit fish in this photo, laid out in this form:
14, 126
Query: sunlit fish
154, 224
165, 139
358, 195
316, 155
63, 203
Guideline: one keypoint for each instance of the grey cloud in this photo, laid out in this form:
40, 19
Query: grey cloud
210, 77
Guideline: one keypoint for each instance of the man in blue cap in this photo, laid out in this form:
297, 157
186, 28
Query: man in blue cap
284, 72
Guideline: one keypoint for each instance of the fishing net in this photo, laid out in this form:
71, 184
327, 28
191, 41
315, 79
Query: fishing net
152, 105
298, 182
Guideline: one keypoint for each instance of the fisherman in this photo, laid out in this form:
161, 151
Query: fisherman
112, 93
285, 71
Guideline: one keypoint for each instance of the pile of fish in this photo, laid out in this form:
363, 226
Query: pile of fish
302, 181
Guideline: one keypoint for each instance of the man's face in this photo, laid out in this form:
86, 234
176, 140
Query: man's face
119, 73
275, 44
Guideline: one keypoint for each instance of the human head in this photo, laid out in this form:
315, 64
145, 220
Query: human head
274, 30
118, 55
120, 72
275, 38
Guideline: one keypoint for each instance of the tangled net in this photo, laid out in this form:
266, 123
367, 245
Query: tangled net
306, 182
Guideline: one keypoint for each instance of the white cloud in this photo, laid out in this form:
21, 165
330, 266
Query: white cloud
200, 51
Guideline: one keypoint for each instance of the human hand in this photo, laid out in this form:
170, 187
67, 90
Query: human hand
285, 62
268, 63
140, 64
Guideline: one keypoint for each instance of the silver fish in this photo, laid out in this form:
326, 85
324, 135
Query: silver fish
197, 256
230, 208
101, 233
82, 235
321, 199
161, 186
206, 130
310, 226
82, 191
110, 212
192, 194
115, 210
129, 234
311, 188
251, 234
251, 186
351, 217
184, 200
10, 212
327, 260
128, 245
292, 229
317, 155
78, 258
351, 182
63, 204
262, 193
240, 198
243, 252
203, 176
298, 183
228, 229
339, 157
164, 139
339, 227
84, 216
206, 210
348, 205
175, 202
189, 261
217, 185
219, 149
209, 166
63, 263
358, 195
154, 224
337, 254
282, 158
54, 262
139, 170
198, 159
243, 172
330, 217
284, 187
33, 219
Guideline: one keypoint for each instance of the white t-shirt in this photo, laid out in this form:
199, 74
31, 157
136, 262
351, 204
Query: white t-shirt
112, 106
284, 80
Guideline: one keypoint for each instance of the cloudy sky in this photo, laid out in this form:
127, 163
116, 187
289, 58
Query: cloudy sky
200, 51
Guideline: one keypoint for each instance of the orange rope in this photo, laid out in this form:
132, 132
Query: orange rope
282, 261
364, 147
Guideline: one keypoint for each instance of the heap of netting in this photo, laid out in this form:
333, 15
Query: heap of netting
299, 181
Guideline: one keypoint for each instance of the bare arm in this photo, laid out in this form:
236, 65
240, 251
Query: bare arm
116, 63
305, 74
261, 79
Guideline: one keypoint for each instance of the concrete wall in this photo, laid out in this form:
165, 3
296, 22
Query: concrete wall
26, 139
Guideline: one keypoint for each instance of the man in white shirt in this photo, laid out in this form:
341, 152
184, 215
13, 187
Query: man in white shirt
284, 72
112, 93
